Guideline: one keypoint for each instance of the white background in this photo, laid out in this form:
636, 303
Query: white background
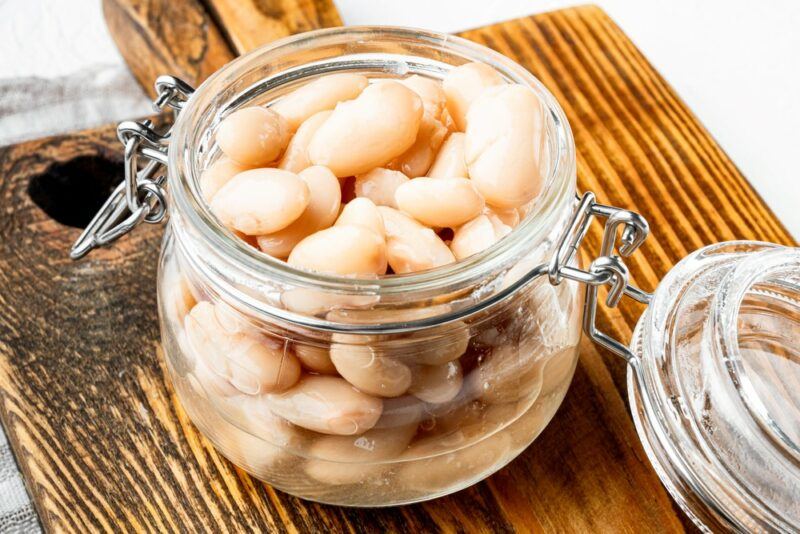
736, 63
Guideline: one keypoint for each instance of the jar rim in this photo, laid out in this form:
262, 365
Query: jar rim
557, 192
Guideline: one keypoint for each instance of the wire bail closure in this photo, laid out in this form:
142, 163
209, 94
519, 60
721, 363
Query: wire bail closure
606, 269
141, 196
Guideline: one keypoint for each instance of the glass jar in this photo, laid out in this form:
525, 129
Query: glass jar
714, 386
400, 388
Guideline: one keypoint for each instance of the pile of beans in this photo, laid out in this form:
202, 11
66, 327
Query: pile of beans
355, 178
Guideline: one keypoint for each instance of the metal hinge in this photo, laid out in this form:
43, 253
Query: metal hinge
607, 268
141, 196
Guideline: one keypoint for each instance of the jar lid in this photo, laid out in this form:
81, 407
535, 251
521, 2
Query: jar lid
715, 387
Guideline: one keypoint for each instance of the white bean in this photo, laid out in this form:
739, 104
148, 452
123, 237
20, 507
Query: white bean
440, 472
295, 159
442, 202
320, 95
410, 246
345, 250
437, 383
418, 159
369, 131
252, 363
327, 404
362, 212
218, 174
436, 346
503, 144
463, 85
261, 201
253, 136
321, 212
350, 460
314, 358
379, 185
478, 234
370, 370
450, 162
508, 374
431, 93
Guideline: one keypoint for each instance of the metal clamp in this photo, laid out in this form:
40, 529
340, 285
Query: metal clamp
607, 269
141, 196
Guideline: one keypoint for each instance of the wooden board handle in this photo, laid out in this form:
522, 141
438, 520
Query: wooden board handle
188, 39
249, 24
163, 37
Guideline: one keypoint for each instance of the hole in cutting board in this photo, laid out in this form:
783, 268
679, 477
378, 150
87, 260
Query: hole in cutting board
73, 191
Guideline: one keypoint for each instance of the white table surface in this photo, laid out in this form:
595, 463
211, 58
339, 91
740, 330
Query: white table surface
735, 63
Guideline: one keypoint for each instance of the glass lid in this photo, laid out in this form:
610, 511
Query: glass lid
715, 386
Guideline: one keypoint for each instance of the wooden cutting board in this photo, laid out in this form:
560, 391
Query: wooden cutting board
95, 427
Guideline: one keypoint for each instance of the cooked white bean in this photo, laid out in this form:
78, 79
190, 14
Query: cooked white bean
252, 363
370, 370
463, 85
261, 201
233, 322
478, 234
401, 411
450, 162
314, 358
440, 472
558, 370
206, 337
315, 301
350, 460
509, 217
178, 296
437, 383
379, 185
419, 157
362, 212
253, 136
431, 93
262, 365
436, 346
265, 441
327, 404
503, 145
510, 373
369, 131
346, 250
321, 212
295, 159
442, 202
218, 174
211, 384
320, 95
410, 246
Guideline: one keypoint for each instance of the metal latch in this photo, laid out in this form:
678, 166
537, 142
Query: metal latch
141, 196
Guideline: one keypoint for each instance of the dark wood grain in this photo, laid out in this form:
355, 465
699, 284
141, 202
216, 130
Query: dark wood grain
104, 445
249, 24
166, 37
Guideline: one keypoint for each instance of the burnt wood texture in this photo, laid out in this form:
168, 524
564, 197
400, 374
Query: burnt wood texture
97, 430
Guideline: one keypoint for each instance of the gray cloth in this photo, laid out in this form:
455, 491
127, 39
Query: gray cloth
17, 515
33, 107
